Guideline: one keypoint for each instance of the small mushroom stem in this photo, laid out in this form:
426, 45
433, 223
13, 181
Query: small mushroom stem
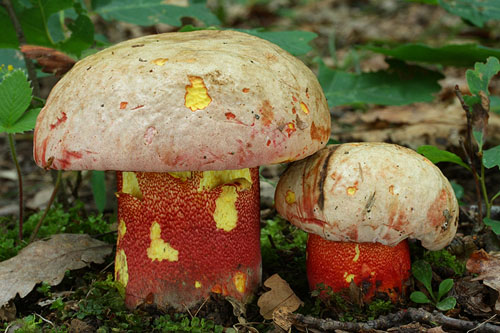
374, 267
182, 235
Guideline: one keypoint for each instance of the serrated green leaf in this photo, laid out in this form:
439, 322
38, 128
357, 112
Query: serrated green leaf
446, 304
98, 184
400, 84
296, 42
150, 12
444, 287
478, 12
15, 97
422, 271
479, 78
460, 55
24, 124
419, 297
436, 155
494, 224
491, 157
82, 36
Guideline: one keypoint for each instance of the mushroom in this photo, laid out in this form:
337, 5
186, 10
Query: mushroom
360, 202
185, 119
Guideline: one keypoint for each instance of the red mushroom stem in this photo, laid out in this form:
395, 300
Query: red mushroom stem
374, 267
182, 235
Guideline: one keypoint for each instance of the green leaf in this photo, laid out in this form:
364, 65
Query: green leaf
478, 12
419, 297
25, 123
479, 137
8, 37
15, 97
494, 224
479, 78
82, 36
98, 184
460, 55
436, 155
495, 104
458, 189
491, 157
446, 304
296, 42
422, 271
150, 12
444, 287
400, 84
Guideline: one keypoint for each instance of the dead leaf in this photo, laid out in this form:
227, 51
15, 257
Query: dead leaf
280, 295
48, 260
280, 318
51, 60
488, 268
8, 312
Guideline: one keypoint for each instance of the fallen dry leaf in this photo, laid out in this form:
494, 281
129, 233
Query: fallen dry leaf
52, 61
280, 296
48, 260
488, 268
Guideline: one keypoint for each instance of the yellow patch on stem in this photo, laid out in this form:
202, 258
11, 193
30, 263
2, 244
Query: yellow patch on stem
182, 175
121, 267
130, 185
197, 284
290, 197
225, 214
348, 277
212, 179
197, 97
356, 256
122, 229
240, 281
159, 249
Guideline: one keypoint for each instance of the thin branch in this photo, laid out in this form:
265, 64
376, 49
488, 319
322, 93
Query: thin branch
12, 145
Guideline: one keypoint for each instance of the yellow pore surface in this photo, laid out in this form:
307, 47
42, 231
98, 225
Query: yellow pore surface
159, 249
121, 267
197, 97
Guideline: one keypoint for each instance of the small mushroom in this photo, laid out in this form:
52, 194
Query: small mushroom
360, 202
185, 119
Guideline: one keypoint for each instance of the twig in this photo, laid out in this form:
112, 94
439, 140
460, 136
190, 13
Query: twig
22, 41
392, 320
10, 136
484, 322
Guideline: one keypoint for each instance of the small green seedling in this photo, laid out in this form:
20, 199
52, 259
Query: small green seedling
422, 271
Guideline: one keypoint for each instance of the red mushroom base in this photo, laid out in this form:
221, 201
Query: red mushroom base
182, 235
374, 267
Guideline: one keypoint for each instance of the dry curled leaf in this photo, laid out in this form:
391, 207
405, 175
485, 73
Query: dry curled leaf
48, 260
280, 295
52, 61
488, 268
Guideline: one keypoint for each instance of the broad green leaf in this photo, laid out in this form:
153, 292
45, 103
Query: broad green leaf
458, 189
491, 157
436, 155
479, 137
494, 224
444, 287
446, 304
98, 184
495, 104
15, 97
296, 42
82, 36
400, 84
8, 37
419, 297
477, 12
11, 57
25, 123
429, 2
460, 55
479, 78
422, 271
150, 12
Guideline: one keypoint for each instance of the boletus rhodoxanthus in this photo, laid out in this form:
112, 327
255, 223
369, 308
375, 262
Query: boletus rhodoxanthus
360, 202
185, 119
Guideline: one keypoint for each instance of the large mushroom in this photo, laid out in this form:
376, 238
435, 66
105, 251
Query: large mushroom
185, 119
359, 202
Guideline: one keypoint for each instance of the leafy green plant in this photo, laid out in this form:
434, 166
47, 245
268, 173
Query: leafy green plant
182, 323
422, 271
443, 258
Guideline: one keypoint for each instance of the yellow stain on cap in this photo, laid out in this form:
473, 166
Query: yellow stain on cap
197, 284
225, 214
159, 249
130, 185
212, 179
356, 256
290, 197
122, 229
159, 61
240, 281
182, 175
196, 97
352, 190
304, 108
121, 267
348, 277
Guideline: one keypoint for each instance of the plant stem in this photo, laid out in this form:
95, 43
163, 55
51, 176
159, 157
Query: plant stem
49, 204
485, 192
20, 181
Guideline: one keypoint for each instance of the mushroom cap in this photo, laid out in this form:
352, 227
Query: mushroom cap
369, 192
203, 100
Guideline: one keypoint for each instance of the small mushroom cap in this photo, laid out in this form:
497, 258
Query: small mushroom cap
369, 192
203, 100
